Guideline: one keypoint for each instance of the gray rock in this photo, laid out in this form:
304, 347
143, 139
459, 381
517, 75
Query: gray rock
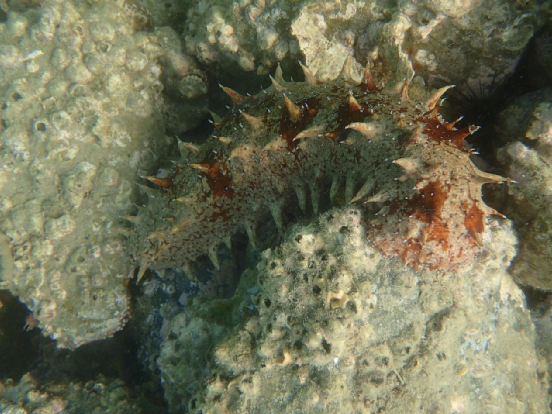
526, 128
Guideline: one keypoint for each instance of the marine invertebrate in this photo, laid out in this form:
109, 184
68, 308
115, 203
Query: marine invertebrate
297, 140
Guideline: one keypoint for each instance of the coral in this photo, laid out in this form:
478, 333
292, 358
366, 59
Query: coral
325, 323
327, 33
526, 127
467, 43
81, 118
346, 138
447, 42
244, 34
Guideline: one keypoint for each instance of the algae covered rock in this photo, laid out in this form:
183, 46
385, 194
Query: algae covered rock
445, 42
82, 116
326, 323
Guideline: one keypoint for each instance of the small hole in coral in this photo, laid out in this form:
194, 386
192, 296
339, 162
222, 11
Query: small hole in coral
40, 126
267, 303
327, 347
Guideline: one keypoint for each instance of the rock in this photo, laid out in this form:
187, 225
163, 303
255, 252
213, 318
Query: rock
81, 119
445, 42
526, 128
326, 323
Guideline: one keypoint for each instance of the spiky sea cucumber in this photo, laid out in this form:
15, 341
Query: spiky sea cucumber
363, 143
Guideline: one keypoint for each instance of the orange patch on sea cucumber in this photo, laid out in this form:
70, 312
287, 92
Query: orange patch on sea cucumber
429, 201
218, 178
290, 129
473, 220
437, 131
427, 207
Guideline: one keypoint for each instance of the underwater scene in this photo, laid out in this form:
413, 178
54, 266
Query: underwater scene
275, 206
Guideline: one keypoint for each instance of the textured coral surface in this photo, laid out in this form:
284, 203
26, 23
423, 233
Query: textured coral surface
346, 139
326, 324
80, 116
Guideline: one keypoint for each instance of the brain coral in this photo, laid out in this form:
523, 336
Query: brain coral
347, 138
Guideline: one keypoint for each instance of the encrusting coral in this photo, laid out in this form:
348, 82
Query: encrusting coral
82, 115
348, 137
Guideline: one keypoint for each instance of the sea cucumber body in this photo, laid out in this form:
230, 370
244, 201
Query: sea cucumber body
344, 140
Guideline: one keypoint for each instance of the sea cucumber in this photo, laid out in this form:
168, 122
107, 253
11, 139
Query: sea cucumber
348, 137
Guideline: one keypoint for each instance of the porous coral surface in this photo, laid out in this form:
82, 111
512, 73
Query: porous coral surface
81, 117
325, 323
448, 42
347, 140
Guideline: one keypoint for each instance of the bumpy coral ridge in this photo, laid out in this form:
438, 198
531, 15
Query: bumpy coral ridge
348, 136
